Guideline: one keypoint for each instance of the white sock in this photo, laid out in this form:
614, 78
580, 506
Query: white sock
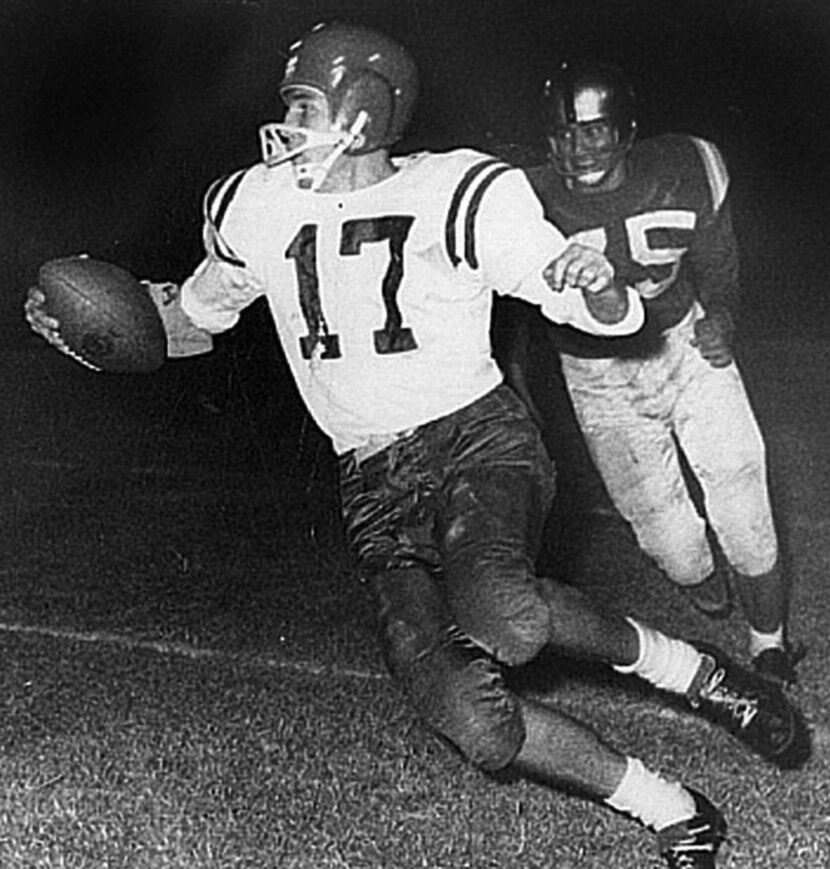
759, 641
666, 662
650, 798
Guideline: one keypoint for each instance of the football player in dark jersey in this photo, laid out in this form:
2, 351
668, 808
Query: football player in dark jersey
379, 274
659, 210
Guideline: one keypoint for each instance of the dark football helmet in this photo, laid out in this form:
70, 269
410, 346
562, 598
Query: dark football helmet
370, 84
589, 118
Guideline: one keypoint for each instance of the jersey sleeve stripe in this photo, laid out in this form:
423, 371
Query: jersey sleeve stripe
716, 172
472, 211
217, 201
455, 206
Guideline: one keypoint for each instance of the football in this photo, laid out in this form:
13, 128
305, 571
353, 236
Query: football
107, 319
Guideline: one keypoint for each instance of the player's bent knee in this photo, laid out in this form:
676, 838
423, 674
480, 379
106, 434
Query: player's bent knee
459, 691
505, 613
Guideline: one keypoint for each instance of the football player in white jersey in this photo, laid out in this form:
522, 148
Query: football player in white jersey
658, 208
379, 273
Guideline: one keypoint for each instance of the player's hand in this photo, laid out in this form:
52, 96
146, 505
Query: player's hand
41, 322
713, 338
581, 267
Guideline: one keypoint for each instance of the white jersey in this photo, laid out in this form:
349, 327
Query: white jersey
382, 296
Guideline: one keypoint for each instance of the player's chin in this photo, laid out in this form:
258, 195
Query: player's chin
589, 180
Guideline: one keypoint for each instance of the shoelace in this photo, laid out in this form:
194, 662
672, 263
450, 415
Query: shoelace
742, 709
682, 853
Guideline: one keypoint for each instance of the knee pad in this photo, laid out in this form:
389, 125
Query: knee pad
502, 610
459, 691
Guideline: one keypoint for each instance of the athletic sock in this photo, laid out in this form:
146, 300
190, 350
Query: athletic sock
666, 662
760, 641
650, 798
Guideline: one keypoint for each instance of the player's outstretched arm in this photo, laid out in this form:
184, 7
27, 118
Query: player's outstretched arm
582, 267
182, 337
589, 270
606, 300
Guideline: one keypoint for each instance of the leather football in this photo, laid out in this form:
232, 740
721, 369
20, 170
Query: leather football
107, 319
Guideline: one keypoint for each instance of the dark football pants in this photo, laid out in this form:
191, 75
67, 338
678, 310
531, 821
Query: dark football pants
446, 524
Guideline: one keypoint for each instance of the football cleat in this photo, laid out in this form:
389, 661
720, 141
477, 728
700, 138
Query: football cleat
751, 707
779, 664
693, 843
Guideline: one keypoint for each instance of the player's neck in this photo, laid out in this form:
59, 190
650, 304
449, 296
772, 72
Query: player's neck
354, 173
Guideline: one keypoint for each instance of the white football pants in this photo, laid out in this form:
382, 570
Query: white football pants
635, 414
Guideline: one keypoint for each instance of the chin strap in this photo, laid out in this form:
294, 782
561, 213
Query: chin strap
310, 176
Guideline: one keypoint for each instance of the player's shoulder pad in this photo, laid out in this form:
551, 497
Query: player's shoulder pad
693, 162
474, 173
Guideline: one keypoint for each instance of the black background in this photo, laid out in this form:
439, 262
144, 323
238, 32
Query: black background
116, 115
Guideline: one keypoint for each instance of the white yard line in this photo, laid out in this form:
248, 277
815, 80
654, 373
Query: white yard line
183, 650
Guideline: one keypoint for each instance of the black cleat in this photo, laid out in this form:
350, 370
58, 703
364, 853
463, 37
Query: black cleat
693, 843
779, 664
751, 707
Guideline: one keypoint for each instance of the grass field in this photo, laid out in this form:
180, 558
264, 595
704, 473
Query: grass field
190, 676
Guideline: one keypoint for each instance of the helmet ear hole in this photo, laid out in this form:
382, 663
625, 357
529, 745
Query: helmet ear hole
372, 94
349, 64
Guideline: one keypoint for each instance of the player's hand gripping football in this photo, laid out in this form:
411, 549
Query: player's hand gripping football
713, 338
587, 269
40, 322
48, 327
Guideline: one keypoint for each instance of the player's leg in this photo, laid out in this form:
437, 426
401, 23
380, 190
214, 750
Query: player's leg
454, 686
624, 409
457, 686
458, 690
495, 494
726, 451
390, 504
564, 752
487, 525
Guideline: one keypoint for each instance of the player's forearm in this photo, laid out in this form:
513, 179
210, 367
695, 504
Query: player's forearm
216, 293
569, 307
183, 337
715, 265
609, 306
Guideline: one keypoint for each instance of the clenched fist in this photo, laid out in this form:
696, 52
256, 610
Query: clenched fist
713, 338
40, 322
584, 268
589, 270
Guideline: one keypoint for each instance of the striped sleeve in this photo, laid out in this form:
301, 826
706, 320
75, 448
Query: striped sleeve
716, 172
216, 203
460, 227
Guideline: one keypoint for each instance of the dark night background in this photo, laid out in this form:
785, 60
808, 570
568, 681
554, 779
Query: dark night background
115, 115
